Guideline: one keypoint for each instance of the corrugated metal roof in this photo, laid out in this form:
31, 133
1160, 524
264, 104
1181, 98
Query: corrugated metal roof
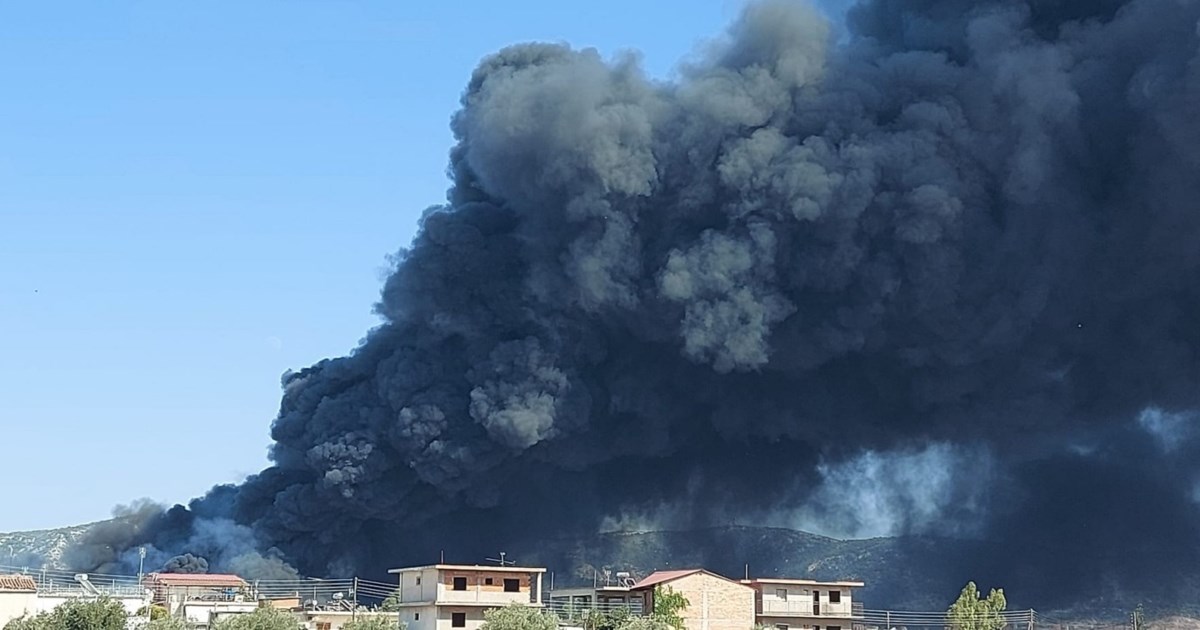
17, 583
197, 579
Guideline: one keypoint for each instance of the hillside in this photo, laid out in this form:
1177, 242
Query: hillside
38, 547
913, 573
901, 573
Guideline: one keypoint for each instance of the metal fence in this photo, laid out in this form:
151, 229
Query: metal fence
903, 619
68, 584
568, 609
316, 594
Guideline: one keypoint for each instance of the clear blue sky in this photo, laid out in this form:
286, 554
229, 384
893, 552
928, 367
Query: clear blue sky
197, 196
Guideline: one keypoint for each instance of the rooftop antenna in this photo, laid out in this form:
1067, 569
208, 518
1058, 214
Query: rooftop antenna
443, 557
501, 560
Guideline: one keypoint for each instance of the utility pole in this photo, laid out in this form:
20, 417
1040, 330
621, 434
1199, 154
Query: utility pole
141, 563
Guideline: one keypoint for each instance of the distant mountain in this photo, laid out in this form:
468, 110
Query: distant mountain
38, 548
910, 573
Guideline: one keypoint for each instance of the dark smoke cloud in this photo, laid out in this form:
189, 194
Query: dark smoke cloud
186, 563
938, 277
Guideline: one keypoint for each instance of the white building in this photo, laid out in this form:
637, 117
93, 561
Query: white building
29, 595
790, 604
452, 596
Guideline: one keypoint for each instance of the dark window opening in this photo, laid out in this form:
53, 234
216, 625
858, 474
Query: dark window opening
416, 616
781, 593
458, 620
488, 581
833, 628
512, 585
460, 584
835, 597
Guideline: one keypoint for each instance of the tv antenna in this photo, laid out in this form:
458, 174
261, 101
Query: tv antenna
501, 561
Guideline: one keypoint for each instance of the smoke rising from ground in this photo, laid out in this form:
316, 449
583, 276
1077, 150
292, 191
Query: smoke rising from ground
937, 278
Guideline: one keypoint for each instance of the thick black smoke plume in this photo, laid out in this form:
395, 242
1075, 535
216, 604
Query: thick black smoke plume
937, 276
186, 563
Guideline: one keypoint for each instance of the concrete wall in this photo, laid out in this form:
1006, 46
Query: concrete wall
445, 617
419, 617
479, 591
418, 586
802, 623
715, 603
795, 599
15, 605
46, 603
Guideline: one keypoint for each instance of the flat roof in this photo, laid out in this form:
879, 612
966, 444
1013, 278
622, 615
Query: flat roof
803, 582
470, 567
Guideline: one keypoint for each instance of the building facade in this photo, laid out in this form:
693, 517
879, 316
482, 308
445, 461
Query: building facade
454, 597
792, 604
201, 599
18, 597
714, 602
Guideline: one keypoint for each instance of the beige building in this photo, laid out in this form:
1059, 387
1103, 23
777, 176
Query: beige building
788, 604
201, 599
714, 602
18, 597
452, 596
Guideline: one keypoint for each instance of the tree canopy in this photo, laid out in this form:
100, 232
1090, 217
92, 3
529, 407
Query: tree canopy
391, 622
261, 619
669, 606
971, 612
79, 614
518, 617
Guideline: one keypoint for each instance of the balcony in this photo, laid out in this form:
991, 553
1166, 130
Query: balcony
784, 608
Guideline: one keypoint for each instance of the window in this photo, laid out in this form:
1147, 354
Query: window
460, 584
458, 620
816, 596
488, 581
416, 616
781, 594
512, 585
835, 597
781, 626
418, 580
833, 628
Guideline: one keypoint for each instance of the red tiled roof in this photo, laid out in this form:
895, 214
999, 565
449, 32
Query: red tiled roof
221, 580
18, 583
658, 577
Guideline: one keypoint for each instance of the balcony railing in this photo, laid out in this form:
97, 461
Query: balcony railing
808, 609
579, 611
